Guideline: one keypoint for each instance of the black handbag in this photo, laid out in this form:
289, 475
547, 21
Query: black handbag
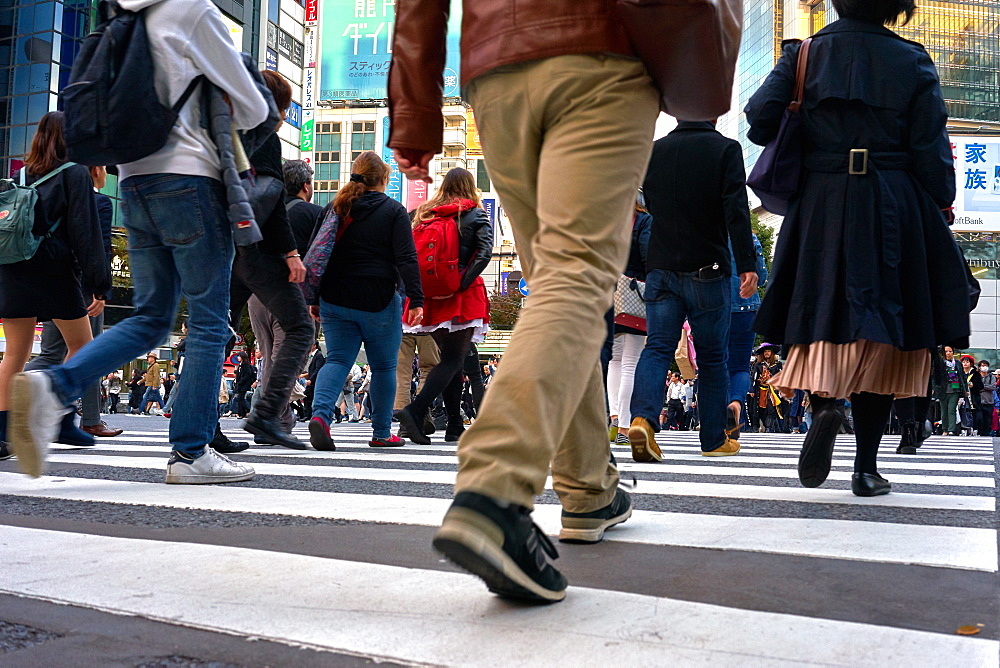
777, 175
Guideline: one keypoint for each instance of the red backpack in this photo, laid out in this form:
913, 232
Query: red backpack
437, 245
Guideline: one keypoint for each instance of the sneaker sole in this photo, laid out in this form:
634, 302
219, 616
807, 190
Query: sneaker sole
716, 453
29, 452
469, 548
591, 535
206, 479
376, 444
817, 456
641, 451
319, 438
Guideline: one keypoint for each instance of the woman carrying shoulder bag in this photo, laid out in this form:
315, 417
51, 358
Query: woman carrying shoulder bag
457, 320
867, 278
359, 300
67, 278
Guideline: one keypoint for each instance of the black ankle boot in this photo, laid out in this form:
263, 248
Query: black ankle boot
454, 431
908, 442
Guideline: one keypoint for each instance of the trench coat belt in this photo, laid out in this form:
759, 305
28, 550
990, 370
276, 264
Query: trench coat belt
838, 163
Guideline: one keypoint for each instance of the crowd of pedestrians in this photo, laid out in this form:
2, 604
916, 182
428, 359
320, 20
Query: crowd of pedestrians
603, 217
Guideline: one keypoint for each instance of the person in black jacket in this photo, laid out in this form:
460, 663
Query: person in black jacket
53, 348
358, 300
695, 190
269, 271
454, 321
243, 380
68, 277
303, 215
866, 274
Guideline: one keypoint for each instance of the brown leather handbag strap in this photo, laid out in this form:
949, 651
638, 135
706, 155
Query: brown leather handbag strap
800, 75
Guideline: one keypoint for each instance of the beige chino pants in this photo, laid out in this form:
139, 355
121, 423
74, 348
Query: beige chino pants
567, 140
425, 348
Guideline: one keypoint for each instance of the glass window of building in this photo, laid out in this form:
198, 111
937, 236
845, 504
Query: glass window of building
362, 138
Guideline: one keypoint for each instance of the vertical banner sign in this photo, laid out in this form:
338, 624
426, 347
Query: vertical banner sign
310, 47
309, 89
416, 194
473, 148
306, 143
272, 60
395, 187
977, 169
490, 207
312, 12
356, 49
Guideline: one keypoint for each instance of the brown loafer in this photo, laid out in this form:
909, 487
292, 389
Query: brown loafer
101, 429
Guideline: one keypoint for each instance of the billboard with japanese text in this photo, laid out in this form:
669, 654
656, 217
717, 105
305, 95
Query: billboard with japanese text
356, 49
977, 168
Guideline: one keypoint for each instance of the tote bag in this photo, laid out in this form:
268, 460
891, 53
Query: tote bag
776, 177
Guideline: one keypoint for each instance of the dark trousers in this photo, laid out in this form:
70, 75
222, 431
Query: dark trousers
266, 276
675, 414
53, 352
985, 420
474, 370
446, 378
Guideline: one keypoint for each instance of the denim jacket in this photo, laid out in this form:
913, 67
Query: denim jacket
753, 303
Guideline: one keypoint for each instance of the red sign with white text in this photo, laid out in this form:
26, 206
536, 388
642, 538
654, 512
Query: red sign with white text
416, 194
312, 11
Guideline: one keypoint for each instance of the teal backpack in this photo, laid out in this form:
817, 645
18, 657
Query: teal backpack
17, 217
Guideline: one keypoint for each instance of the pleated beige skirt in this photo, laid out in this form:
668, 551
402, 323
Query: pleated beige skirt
838, 370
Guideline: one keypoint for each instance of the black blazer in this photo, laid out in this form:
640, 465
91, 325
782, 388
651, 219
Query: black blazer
695, 189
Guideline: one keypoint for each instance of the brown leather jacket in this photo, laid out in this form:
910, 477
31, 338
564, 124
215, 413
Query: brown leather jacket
494, 33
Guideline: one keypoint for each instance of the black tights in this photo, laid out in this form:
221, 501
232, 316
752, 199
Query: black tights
445, 378
913, 409
871, 414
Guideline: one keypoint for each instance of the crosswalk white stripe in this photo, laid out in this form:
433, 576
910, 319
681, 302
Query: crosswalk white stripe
434, 617
730, 468
698, 489
954, 547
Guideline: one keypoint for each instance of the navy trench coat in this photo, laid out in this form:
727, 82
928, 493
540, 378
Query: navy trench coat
865, 256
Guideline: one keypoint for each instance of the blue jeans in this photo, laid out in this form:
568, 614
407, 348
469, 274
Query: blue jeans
180, 242
671, 297
345, 330
741, 338
152, 394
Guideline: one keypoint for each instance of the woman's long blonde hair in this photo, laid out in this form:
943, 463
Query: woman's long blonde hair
458, 184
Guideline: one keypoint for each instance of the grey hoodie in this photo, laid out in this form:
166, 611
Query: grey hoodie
188, 38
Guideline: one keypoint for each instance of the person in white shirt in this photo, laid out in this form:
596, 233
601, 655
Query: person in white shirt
675, 402
180, 241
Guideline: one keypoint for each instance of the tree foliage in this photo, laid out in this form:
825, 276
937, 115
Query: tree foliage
765, 235
504, 310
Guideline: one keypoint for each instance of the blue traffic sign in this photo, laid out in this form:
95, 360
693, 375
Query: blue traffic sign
523, 287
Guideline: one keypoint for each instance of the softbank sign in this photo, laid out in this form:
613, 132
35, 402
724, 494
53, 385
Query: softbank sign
416, 194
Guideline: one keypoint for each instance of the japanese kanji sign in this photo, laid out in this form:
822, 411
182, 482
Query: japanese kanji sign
977, 173
356, 49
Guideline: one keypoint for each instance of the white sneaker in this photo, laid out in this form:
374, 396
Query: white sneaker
208, 469
33, 421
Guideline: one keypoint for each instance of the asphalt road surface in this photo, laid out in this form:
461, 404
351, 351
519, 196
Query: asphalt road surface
324, 559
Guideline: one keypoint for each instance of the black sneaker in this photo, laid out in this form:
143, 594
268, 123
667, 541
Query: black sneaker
221, 443
503, 547
590, 527
272, 431
5, 452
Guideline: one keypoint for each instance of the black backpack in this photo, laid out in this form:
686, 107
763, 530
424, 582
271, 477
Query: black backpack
113, 114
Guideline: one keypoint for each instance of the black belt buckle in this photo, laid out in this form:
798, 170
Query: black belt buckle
852, 164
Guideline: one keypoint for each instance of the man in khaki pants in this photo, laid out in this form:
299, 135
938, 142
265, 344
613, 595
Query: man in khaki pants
565, 114
428, 357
